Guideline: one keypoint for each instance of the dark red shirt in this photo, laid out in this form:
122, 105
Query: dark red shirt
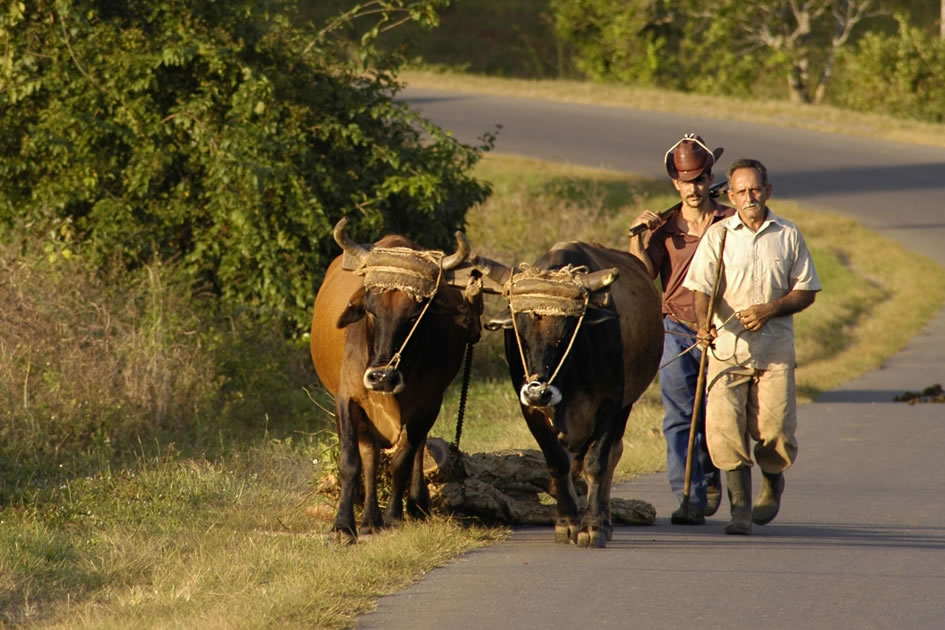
671, 250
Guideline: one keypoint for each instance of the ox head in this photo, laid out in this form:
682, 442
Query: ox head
547, 309
399, 287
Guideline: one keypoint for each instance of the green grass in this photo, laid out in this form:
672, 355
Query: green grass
232, 531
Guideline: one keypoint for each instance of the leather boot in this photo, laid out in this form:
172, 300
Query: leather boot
713, 493
693, 516
769, 498
739, 496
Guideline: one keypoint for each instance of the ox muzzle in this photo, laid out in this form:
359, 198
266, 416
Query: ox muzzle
538, 394
386, 380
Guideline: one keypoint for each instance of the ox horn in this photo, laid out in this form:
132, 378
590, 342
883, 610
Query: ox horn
599, 279
497, 273
456, 258
352, 250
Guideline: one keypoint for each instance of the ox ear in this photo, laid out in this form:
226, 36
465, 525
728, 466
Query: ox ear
500, 321
354, 310
595, 316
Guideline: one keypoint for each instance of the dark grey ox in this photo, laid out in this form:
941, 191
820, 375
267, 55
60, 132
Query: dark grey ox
583, 339
388, 336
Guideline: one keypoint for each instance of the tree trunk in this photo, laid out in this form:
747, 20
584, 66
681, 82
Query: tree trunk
798, 82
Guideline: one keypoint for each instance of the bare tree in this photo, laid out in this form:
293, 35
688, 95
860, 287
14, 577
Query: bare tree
796, 29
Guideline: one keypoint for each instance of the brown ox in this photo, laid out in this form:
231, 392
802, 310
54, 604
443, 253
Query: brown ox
586, 321
388, 336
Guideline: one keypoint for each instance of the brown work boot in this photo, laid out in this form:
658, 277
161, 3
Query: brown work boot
713, 493
739, 496
693, 516
769, 498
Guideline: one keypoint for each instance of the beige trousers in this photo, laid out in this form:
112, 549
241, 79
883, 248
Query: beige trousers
748, 403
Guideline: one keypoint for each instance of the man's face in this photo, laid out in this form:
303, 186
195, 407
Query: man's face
749, 195
694, 193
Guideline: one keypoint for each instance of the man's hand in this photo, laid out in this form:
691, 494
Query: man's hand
648, 218
705, 337
756, 315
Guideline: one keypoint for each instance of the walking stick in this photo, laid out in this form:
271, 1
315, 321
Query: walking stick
700, 381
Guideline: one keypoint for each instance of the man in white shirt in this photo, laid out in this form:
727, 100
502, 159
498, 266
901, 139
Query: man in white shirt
767, 276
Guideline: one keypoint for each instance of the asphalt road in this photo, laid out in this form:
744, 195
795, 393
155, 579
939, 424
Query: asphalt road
860, 540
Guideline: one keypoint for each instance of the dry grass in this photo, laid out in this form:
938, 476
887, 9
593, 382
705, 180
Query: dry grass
199, 544
779, 113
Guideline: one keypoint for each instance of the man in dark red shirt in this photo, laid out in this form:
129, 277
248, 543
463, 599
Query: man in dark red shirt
667, 248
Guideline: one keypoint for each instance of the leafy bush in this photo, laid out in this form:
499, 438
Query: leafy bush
901, 74
675, 45
619, 41
228, 136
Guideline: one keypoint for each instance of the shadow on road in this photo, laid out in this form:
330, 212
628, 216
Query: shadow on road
829, 181
787, 535
860, 396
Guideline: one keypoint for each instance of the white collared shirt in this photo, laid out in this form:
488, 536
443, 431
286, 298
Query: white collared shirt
759, 267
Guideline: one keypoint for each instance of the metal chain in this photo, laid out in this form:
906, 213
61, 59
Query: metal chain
464, 390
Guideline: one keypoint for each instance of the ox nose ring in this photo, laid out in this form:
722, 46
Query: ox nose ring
383, 380
538, 394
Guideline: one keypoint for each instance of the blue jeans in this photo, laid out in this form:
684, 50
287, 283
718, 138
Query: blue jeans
678, 388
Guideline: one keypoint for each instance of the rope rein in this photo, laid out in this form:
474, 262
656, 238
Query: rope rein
567, 350
690, 348
529, 376
395, 359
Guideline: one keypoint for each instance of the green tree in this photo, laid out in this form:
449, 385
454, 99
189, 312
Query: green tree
720, 45
902, 74
627, 42
226, 136
805, 35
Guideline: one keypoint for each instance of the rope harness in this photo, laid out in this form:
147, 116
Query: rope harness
419, 274
407, 270
554, 293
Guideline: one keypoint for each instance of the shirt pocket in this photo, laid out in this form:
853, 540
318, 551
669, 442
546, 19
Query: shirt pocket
775, 275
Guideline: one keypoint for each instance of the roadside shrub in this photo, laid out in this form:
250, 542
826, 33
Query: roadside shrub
96, 369
228, 137
901, 74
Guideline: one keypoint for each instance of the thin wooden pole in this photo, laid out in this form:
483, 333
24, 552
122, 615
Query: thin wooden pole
700, 380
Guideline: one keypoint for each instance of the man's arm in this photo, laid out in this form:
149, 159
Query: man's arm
636, 247
757, 315
707, 331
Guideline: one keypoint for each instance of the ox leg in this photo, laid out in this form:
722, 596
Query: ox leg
599, 464
370, 455
401, 466
348, 415
559, 467
418, 497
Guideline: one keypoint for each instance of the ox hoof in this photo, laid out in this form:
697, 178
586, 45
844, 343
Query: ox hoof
609, 532
343, 537
593, 538
562, 534
367, 530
